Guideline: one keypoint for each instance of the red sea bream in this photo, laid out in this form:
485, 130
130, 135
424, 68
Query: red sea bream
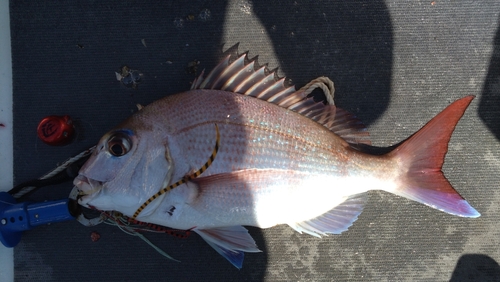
282, 158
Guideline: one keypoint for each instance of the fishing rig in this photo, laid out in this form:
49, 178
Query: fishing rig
17, 216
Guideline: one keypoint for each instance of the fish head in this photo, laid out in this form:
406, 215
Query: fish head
127, 167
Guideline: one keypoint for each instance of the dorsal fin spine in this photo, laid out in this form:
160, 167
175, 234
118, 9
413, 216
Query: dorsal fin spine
197, 81
303, 105
245, 76
276, 98
272, 89
228, 71
237, 78
292, 99
208, 82
249, 81
260, 86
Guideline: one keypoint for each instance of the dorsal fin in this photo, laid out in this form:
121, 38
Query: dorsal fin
236, 73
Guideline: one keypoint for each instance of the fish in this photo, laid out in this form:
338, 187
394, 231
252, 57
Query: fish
243, 147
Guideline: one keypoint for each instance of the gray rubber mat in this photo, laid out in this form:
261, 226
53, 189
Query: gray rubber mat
395, 65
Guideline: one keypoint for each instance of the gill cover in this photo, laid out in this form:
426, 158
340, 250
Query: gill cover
131, 166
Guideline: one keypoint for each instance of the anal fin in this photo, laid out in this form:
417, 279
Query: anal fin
230, 242
335, 221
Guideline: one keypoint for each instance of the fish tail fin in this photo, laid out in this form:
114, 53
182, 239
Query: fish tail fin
421, 158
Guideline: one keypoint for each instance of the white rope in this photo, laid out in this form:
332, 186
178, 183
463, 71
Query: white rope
67, 163
55, 171
325, 84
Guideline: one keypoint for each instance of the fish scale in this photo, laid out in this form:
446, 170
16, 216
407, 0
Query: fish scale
288, 148
279, 158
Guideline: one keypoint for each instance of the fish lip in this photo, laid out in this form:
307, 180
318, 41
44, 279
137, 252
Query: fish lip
87, 188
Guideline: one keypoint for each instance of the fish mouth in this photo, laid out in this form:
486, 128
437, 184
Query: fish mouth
87, 188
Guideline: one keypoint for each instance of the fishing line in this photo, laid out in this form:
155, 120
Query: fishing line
7, 203
58, 175
185, 179
122, 223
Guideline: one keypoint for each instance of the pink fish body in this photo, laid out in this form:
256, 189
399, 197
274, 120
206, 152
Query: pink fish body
282, 159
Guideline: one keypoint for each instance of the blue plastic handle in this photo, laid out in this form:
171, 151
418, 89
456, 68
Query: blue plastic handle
18, 217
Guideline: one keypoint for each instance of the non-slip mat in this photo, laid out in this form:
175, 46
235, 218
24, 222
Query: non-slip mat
395, 65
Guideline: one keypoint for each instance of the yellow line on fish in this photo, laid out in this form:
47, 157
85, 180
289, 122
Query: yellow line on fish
186, 178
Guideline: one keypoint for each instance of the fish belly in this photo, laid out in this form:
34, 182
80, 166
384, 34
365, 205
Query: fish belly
265, 198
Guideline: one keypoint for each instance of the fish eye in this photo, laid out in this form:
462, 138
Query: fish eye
119, 144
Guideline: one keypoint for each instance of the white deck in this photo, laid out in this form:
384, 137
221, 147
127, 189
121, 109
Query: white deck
6, 143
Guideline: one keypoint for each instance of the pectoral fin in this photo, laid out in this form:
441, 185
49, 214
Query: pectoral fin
334, 221
230, 242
